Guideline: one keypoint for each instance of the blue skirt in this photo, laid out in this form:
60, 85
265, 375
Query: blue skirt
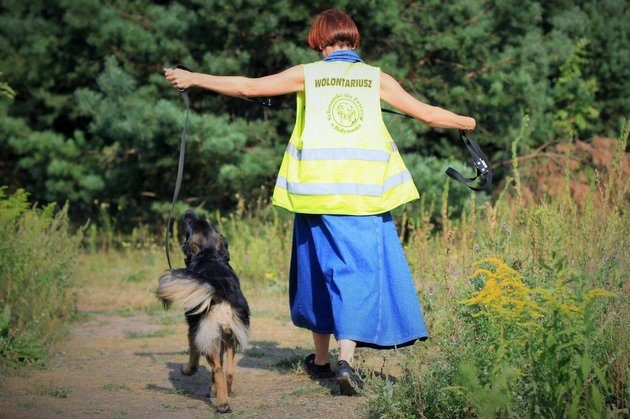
349, 277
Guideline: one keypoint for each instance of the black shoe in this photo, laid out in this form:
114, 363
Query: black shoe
349, 381
317, 371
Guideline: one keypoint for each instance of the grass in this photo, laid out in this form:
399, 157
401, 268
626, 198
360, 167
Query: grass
165, 331
182, 391
50, 390
255, 353
452, 373
116, 387
170, 320
37, 260
526, 305
307, 391
292, 362
103, 285
28, 404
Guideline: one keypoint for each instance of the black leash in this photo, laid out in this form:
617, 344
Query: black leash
479, 161
180, 167
267, 103
397, 113
271, 104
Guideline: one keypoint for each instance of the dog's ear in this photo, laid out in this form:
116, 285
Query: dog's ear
190, 249
223, 248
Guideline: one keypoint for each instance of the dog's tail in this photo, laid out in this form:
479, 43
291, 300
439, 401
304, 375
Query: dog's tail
176, 286
221, 318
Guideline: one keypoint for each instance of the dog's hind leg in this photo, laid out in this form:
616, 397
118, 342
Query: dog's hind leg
193, 358
229, 367
219, 381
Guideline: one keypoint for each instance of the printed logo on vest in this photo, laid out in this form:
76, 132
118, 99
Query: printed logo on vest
345, 113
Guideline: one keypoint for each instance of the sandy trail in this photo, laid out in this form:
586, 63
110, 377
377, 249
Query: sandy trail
126, 364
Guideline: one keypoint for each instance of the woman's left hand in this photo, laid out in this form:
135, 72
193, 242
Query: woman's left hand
472, 124
180, 79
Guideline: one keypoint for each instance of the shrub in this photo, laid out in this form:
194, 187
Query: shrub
517, 352
539, 348
37, 252
534, 333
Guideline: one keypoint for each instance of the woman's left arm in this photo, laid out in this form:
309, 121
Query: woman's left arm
288, 81
394, 94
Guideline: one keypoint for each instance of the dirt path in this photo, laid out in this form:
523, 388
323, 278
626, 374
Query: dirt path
126, 364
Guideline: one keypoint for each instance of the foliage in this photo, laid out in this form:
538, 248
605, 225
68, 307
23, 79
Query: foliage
574, 96
539, 331
5, 90
37, 252
94, 119
529, 334
545, 333
261, 242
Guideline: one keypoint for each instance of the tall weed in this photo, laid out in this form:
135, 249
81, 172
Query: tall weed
260, 245
37, 252
538, 326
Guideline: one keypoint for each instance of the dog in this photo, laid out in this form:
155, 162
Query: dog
216, 310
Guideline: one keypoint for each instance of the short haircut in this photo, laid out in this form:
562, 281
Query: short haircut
333, 26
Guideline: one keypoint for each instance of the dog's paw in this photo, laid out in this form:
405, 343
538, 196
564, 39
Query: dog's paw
224, 408
188, 370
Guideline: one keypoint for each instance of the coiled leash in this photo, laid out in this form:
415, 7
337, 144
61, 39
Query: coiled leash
479, 161
180, 167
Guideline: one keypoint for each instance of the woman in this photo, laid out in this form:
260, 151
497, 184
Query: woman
341, 174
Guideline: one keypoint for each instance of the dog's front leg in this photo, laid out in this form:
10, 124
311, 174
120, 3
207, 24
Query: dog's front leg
219, 381
193, 358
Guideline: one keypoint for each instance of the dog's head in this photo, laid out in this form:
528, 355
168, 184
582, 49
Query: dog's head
202, 239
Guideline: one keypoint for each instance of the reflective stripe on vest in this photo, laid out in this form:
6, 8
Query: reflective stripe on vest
339, 153
343, 188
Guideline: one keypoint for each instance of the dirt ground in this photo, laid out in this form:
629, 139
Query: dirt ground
124, 362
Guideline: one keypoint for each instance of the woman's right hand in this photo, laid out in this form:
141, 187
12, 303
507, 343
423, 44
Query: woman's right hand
180, 79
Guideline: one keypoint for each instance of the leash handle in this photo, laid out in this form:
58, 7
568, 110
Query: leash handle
180, 168
183, 67
479, 161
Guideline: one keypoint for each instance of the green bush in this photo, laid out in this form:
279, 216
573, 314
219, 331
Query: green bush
95, 119
539, 331
37, 252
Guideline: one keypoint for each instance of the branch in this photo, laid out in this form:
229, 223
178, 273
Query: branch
485, 10
535, 156
488, 67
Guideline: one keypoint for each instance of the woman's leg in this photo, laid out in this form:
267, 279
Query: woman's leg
346, 350
349, 381
321, 343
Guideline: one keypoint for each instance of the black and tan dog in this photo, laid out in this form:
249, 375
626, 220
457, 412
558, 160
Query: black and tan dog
215, 308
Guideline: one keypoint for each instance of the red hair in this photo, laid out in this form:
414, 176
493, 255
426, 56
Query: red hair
333, 26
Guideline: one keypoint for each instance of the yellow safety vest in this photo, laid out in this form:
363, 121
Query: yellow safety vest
341, 159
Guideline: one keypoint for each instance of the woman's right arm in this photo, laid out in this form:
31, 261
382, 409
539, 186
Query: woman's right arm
436, 117
288, 81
